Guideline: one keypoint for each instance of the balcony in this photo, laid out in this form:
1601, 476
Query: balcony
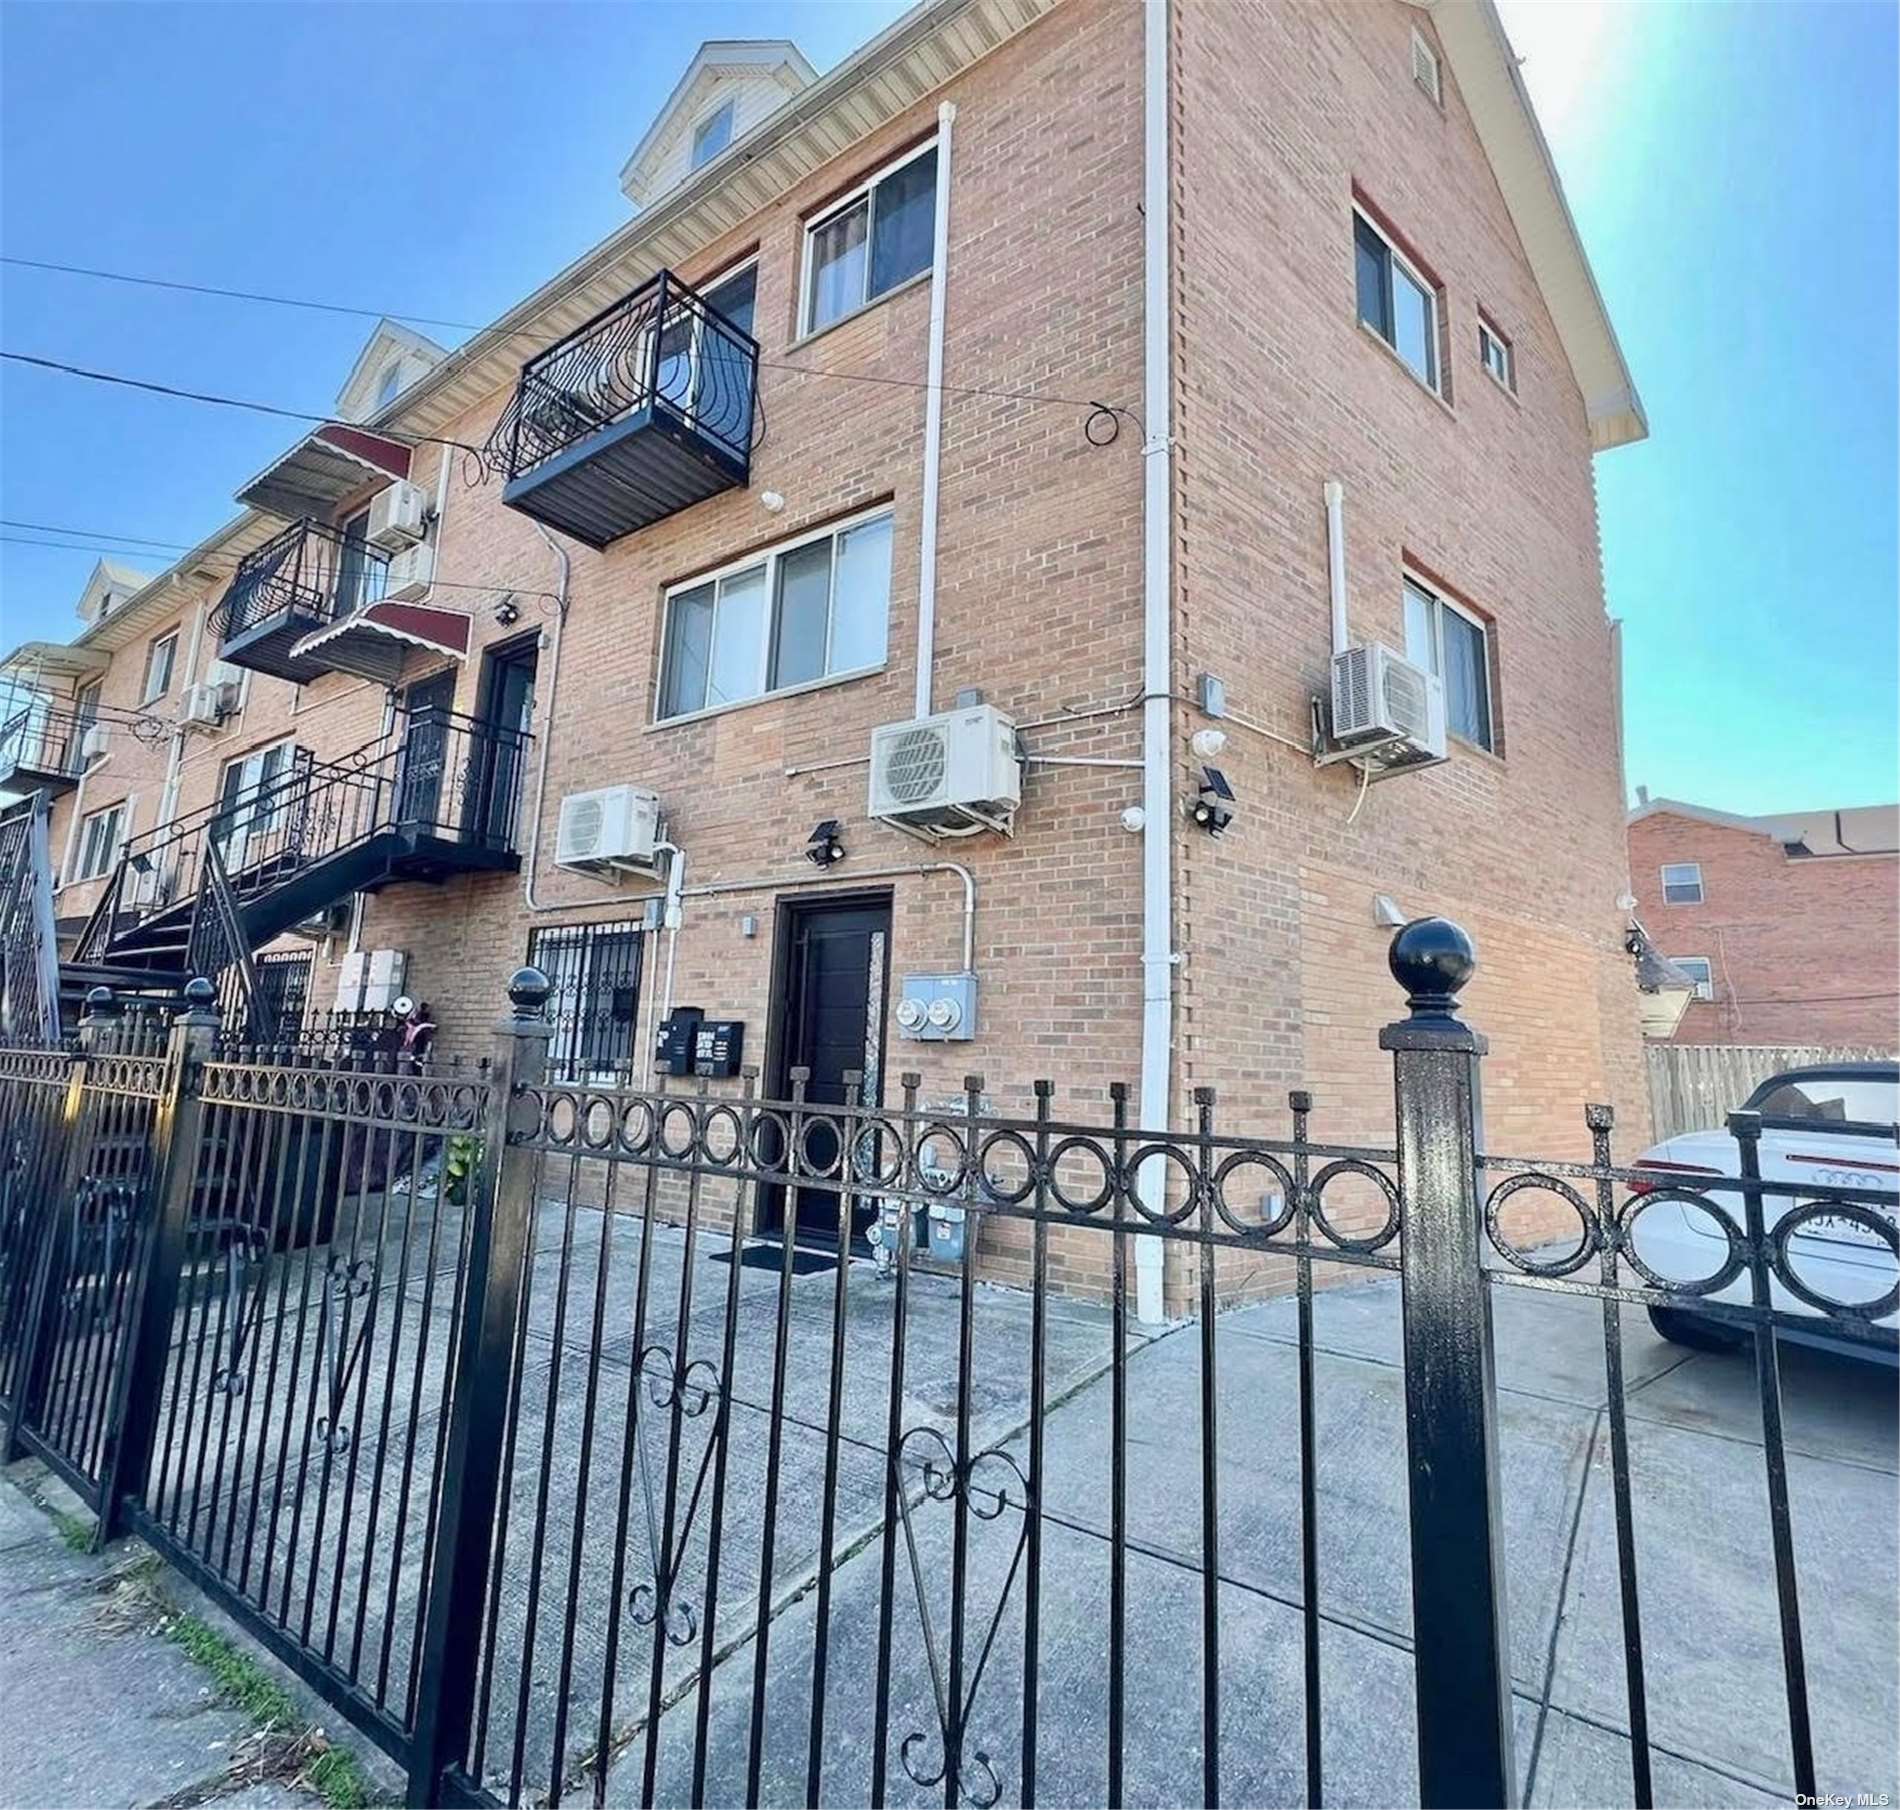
44, 747
647, 409
301, 581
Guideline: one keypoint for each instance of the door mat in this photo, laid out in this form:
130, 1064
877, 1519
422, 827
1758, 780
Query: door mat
772, 1257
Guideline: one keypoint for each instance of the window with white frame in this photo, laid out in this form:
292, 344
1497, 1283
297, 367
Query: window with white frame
99, 838
815, 608
712, 134
1496, 355
1682, 882
1396, 301
1700, 970
160, 659
1425, 67
875, 238
1445, 638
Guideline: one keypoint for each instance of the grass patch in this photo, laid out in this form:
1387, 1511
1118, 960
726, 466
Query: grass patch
333, 1773
74, 1530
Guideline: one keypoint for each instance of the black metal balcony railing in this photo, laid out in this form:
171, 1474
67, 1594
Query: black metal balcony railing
45, 743
300, 580
649, 407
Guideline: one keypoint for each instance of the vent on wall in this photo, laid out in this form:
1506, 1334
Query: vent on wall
1425, 66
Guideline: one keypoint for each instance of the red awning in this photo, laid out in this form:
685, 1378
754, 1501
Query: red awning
377, 639
324, 467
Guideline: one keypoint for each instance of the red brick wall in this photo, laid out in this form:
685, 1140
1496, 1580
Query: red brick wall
1803, 949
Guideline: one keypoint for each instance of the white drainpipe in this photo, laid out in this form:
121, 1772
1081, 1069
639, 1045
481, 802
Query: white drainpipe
1336, 562
1157, 801
933, 420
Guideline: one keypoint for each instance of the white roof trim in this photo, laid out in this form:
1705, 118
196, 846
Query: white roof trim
763, 56
389, 336
1486, 71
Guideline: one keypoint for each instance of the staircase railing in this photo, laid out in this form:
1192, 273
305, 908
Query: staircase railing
217, 945
29, 952
435, 774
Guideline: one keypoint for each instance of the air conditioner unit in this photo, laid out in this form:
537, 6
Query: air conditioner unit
206, 705
397, 517
613, 828
92, 742
409, 574
1388, 707
954, 771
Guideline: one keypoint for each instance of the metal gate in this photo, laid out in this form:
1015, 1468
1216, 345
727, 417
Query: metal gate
478, 1401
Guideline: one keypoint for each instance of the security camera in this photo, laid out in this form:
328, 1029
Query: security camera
823, 848
507, 612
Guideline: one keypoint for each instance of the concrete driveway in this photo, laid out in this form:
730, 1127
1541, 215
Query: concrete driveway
1717, 1715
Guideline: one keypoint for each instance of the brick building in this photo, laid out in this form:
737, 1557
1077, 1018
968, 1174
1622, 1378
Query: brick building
1093, 372
1789, 924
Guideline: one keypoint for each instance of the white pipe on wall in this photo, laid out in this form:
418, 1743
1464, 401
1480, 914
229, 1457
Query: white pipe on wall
545, 728
1157, 834
933, 420
1336, 562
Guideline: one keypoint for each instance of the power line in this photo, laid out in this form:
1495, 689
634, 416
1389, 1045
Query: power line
144, 540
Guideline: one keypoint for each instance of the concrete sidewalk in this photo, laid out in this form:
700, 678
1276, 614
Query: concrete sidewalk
103, 1705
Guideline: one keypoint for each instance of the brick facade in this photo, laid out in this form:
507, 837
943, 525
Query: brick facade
1802, 948
1280, 114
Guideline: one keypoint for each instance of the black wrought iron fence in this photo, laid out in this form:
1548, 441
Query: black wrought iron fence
580, 1439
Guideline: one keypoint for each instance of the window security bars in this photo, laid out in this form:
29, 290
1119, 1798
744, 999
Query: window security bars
477, 1400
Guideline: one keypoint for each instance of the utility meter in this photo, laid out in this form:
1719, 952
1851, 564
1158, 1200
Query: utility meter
938, 1008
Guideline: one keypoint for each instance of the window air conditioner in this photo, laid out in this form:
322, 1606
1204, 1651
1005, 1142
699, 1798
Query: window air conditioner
397, 517
1391, 709
611, 829
951, 772
92, 742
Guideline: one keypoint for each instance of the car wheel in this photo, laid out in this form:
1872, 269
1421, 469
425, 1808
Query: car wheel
1696, 1331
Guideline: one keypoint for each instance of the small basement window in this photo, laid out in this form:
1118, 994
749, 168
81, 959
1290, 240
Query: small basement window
1682, 882
880, 235
1699, 969
1396, 301
594, 971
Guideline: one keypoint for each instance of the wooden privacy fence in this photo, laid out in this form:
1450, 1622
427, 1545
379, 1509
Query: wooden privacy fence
1695, 1086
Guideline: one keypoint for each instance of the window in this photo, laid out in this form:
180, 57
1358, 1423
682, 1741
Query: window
594, 970
872, 241
1700, 970
99, 839
389, 384
160, 658
707, 373
712, 135
1682, 882
252, 804
356, 571
808, 610
1425, 67
1446, 639
86, 704
1495, 354
1395, 301
283, 988
1827, 1099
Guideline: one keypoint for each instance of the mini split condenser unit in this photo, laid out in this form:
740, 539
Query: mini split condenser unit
609, 830
948, 773
398, 517
1389, 709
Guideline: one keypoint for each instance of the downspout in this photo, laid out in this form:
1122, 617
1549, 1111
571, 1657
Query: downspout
1157, 832
933, 419
1336, 563
547, 721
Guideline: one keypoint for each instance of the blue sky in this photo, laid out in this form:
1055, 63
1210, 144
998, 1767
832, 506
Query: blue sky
1733, 168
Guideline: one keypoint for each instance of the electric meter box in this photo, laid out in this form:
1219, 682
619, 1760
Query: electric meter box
937, 1008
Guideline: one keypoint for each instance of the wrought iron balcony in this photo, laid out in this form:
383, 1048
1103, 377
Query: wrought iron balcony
648, 408
301, 580
40, 749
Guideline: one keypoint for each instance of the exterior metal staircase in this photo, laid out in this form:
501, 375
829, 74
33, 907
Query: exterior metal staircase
438, 796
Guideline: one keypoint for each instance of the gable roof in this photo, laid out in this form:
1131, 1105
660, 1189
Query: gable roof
1492, 85
391, 340
1872, 829
717, 61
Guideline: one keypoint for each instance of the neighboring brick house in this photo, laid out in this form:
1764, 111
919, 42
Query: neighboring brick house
1790, 923
1114, 364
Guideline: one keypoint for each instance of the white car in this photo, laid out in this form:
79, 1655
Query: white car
1834, 1126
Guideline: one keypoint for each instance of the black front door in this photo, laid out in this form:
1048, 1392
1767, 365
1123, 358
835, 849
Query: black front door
835, 966
507, 714
425, 747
